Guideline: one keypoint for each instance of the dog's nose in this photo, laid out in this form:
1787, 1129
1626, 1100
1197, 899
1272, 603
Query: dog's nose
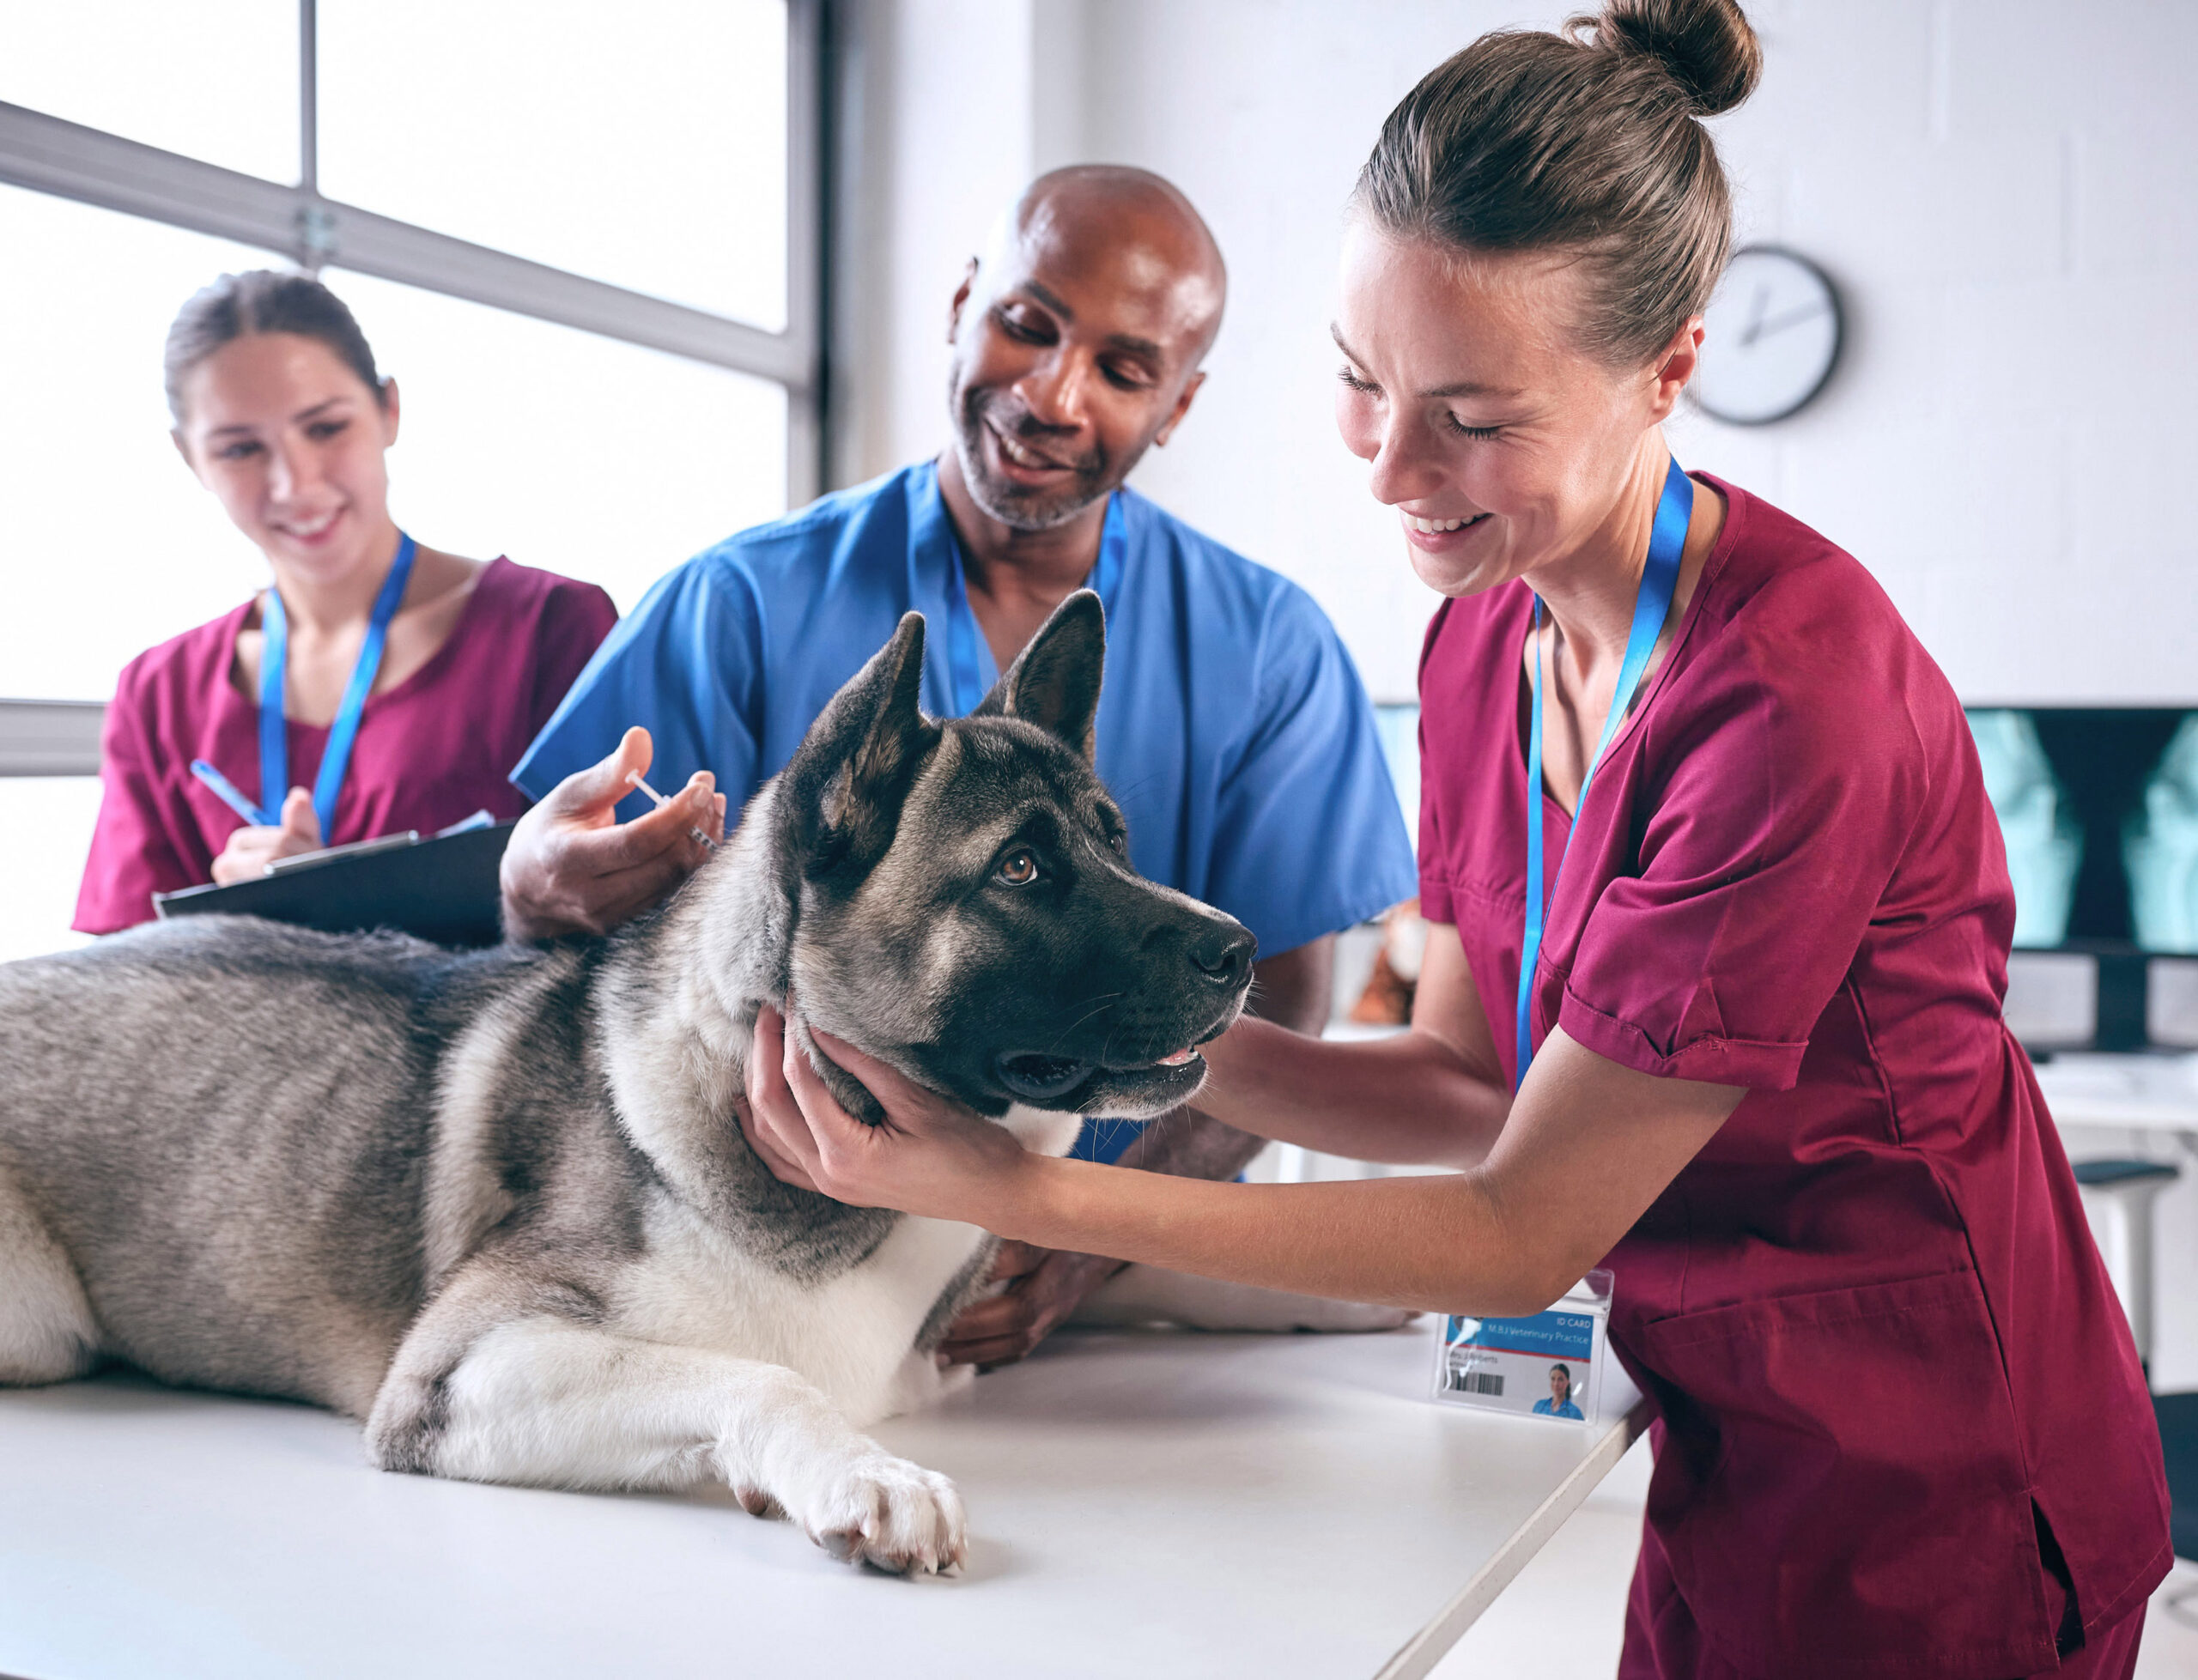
1224, 957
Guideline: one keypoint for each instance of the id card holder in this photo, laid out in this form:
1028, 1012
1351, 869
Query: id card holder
1555, 1365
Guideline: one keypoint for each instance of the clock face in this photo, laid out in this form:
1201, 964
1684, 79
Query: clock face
1769, 337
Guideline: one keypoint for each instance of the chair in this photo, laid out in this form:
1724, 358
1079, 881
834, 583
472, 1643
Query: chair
2128, 1189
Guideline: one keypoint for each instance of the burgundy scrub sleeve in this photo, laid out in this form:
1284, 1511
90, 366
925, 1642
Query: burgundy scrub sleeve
133, 852
576, 617
1763, 856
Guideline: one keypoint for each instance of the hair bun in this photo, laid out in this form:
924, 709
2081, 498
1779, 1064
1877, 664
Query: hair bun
1709, 47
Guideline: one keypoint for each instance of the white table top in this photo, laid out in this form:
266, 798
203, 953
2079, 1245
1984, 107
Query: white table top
2152, 1092
1143, 1504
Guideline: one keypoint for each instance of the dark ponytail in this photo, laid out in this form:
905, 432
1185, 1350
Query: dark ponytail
1587, 141
264, 300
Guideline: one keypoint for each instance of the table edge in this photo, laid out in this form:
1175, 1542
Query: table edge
1431, 1643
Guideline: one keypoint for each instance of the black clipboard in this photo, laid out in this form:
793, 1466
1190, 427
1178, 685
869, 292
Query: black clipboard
443, 888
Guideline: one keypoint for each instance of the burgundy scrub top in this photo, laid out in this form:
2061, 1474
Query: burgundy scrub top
1902, 1419
431, 751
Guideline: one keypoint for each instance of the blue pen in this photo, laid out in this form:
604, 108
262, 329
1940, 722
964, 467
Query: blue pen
225, 791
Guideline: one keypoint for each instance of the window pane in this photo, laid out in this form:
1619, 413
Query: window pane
642, 144
110, 545
565, 450
215, 79
45, 835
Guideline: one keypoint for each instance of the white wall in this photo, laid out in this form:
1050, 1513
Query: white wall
2007, 192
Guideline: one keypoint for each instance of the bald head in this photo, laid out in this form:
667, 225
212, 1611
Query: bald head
1132, 227
1078, 338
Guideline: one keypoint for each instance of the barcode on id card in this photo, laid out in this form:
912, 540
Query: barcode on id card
1477, 1382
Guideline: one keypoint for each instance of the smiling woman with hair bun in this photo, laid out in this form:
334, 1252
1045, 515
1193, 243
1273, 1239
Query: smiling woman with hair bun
375, 685
1685, 770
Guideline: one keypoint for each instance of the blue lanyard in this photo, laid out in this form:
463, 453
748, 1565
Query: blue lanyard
962, 624
1659, 578
274, 728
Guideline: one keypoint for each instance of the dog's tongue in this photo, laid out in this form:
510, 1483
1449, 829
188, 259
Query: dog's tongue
1180, 1056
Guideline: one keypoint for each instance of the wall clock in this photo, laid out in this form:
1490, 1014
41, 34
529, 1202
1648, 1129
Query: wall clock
1770, 338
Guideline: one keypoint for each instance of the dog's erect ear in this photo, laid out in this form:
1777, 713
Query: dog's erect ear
1054, 681
843, 788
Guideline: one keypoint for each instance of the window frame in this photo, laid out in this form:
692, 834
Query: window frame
49, 154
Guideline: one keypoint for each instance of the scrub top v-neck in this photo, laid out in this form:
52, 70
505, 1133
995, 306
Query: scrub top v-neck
1233, 729
971, 668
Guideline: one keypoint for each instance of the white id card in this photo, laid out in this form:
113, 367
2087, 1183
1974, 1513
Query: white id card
1552, 1365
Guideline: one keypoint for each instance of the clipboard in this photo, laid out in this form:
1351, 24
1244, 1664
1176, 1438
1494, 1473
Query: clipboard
443, 888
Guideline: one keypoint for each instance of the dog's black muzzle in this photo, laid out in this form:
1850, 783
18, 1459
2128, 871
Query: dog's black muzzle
1143, 1038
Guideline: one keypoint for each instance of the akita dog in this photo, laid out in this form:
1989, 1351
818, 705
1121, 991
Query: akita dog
498, 1204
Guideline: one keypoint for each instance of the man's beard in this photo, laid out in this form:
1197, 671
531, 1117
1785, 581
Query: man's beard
1016, 505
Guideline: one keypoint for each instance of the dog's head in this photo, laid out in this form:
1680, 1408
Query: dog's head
966, 909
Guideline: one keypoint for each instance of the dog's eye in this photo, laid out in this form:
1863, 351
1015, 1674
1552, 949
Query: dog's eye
1019, 868
1120, 850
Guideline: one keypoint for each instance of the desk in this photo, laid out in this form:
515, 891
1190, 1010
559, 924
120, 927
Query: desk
2156, 1093
1147, 1505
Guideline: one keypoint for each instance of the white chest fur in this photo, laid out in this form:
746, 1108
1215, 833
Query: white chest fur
850, 1335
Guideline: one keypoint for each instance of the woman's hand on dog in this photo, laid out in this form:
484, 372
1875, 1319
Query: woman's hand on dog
790, 1118
929, 1156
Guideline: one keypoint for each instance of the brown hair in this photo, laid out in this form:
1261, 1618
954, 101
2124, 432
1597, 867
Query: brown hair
1585, 141
264, 300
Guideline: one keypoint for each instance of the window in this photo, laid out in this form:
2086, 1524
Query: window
601, 460
673, 134
583, 239
217, 81
111, 546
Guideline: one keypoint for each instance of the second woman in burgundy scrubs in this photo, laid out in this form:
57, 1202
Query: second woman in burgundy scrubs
280, 411
1902, 1430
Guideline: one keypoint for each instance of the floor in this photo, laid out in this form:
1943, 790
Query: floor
1575, 1590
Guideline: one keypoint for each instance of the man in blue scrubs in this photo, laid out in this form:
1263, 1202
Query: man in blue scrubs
1233, 729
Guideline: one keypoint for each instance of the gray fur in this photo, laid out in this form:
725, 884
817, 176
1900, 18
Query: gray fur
251, 1157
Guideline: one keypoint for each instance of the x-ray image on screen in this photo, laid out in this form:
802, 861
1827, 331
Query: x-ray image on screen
2100, 807
2159, 849
2045, 842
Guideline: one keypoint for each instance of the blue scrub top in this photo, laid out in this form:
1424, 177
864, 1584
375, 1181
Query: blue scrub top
1233, 729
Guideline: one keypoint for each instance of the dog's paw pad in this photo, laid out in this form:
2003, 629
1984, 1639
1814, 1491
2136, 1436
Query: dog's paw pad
891, 1515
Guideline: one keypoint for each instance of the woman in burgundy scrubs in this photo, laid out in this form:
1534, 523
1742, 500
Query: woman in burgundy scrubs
1902, 1430
280, 412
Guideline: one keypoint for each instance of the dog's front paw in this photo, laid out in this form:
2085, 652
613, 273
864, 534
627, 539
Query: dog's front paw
888, 1513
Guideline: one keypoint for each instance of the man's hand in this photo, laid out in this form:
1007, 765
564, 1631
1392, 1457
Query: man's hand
1044, 1286
252, 849
572, 867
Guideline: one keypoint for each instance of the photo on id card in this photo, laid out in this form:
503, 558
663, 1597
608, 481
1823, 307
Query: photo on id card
1549, 1365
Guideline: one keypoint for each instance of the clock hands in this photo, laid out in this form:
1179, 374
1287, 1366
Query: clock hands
1754, 328
1760, 328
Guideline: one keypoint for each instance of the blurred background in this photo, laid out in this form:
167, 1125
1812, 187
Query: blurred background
651, 273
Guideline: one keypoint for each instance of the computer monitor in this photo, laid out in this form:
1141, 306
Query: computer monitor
2099, 809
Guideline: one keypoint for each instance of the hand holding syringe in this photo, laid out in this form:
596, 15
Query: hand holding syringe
633, 778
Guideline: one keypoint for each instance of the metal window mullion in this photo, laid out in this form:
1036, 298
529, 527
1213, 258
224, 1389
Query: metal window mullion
309, 96
50, 738
92, 166
806, 161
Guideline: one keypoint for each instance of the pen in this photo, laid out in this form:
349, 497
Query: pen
633, 778
225, 791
